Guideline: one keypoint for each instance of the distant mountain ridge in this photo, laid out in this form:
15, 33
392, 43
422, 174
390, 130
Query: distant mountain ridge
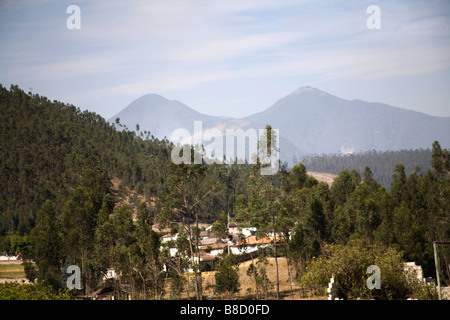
310, 121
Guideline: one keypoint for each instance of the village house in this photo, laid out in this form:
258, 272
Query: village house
209, 241
251, 244
110, 274
216, 249
169, 237
233, 227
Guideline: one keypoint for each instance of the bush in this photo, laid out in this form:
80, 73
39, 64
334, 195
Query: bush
39, 291
227, 276
348, 264
30, 271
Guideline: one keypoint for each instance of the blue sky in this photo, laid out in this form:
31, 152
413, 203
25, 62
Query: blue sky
228, 57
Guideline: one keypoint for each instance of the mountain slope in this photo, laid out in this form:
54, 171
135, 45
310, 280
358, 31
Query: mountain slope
318, 122
162, 116
310, 121
46, 147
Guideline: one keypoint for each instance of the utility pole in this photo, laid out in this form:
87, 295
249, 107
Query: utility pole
228, 230
436, 263
276, 259
198, 272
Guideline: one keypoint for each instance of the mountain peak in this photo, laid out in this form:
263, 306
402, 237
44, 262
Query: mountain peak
306, 89
152, 98
309, 90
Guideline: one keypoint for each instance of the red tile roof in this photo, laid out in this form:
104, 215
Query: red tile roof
252, 240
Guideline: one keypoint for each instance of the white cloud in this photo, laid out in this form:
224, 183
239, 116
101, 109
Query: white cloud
69, 68
200, 51
159, 83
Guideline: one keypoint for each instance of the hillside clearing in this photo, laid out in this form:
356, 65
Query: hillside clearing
323, 177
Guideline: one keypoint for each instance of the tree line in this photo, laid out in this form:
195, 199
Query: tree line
381, 163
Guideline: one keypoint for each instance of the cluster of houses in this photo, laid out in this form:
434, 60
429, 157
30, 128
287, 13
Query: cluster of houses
242, 242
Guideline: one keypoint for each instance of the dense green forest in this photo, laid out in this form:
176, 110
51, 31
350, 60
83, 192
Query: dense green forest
46, 146
381, 163
58, 205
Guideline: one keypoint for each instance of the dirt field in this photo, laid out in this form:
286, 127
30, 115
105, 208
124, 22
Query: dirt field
288, 290
322, 176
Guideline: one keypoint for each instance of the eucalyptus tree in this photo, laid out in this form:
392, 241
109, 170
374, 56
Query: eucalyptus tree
187, 189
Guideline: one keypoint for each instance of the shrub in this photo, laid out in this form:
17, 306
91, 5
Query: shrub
348, 264
227, 276
39, 291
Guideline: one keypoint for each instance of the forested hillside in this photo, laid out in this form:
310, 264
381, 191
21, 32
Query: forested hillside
382, 163
46, 145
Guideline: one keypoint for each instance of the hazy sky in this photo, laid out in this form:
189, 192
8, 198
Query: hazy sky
228, 57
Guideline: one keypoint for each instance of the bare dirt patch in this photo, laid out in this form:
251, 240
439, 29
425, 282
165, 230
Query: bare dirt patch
323, 177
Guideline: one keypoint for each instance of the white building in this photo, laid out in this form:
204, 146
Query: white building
9, 258
110, 274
